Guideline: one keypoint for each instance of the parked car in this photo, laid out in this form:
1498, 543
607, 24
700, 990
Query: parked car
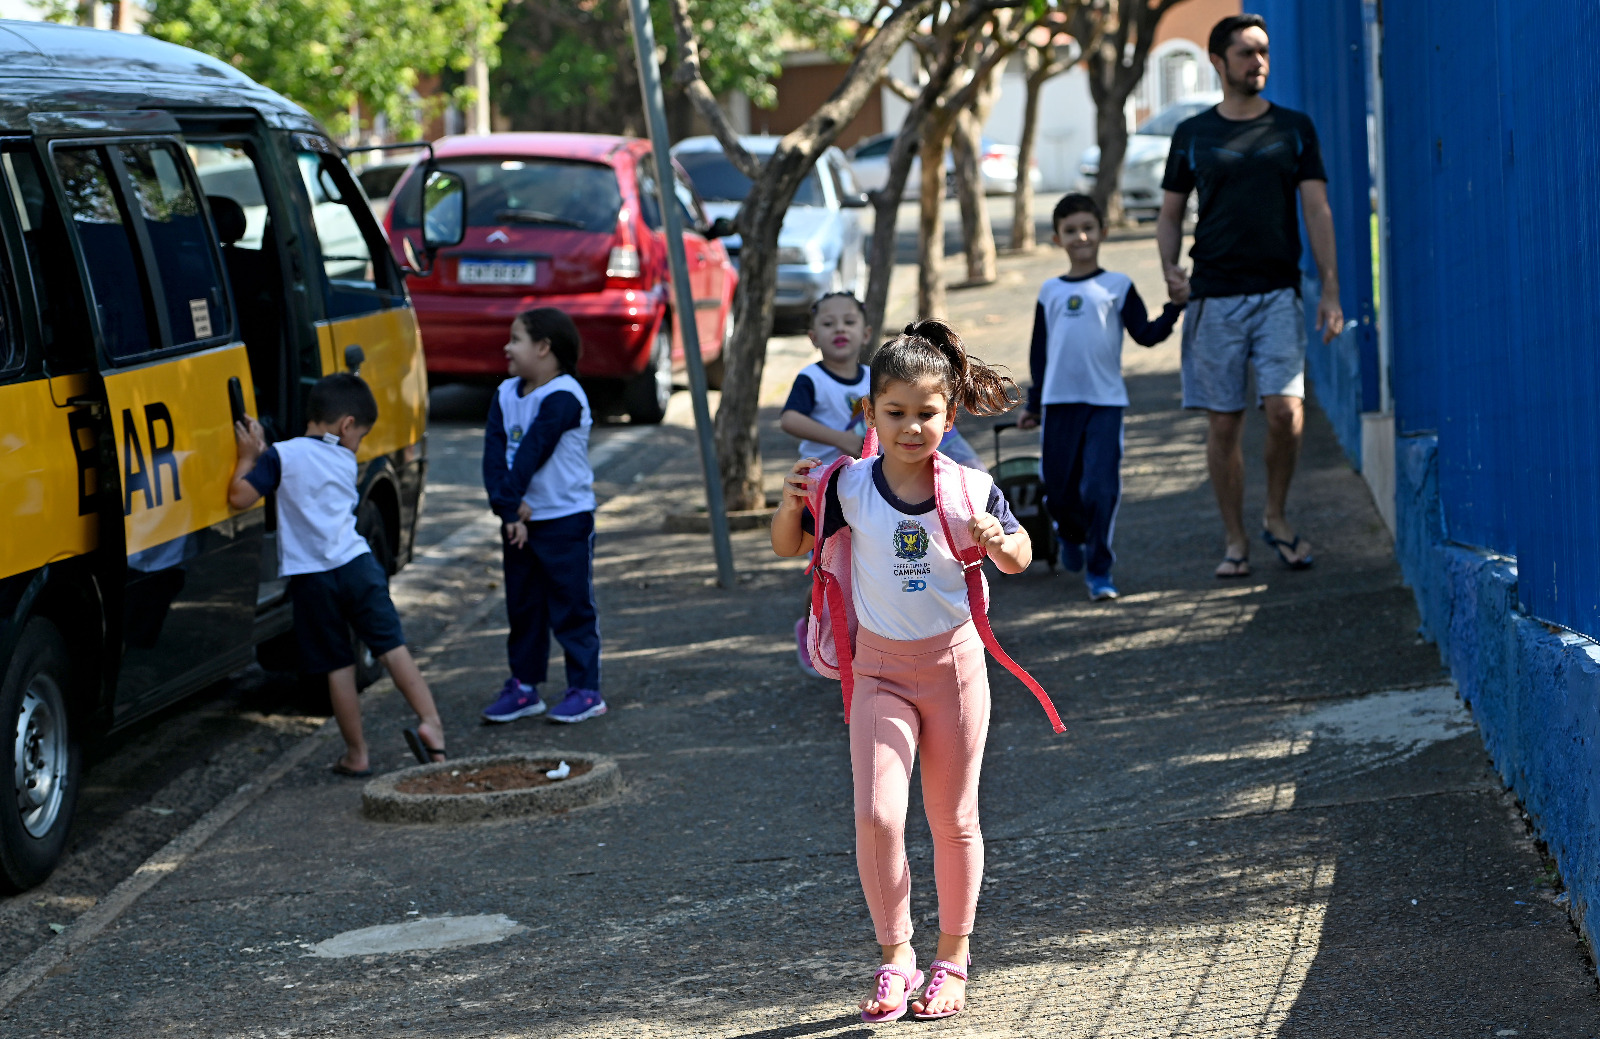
378, 181
570, 221
820, 246
998, 166
1146, 159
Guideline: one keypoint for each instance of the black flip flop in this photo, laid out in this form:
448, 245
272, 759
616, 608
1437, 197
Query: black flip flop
1237, 573
1280, 546
419, 749
341, 769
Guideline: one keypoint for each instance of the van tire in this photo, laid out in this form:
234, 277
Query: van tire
647, 394
37, 725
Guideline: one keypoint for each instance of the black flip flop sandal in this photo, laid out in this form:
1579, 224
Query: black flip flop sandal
1282, 547
1237, 573
420, 749
341, 769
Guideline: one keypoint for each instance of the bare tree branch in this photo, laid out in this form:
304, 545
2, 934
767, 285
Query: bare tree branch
705, 102
900, 88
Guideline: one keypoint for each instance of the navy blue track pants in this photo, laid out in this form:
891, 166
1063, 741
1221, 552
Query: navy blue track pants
1082, 470
550, 590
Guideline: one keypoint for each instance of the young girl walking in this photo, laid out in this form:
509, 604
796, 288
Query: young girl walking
920, 686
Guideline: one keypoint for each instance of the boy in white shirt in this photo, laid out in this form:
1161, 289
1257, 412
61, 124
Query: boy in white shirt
1077, 390
334, 580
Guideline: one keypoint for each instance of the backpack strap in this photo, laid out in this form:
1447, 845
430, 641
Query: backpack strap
971, 559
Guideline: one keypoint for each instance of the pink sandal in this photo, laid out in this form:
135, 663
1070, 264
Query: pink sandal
942, 969
913, 980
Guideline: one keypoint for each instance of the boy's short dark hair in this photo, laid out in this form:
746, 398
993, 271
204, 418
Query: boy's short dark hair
554, 325
1223, 32
340, 394
1076, 203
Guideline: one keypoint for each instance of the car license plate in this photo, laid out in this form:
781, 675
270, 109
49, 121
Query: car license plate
495, 272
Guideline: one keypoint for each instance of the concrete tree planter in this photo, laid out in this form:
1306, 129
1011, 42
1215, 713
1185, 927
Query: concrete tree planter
383, 802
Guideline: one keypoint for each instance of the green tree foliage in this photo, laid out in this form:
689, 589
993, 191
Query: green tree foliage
568, 64
333, 55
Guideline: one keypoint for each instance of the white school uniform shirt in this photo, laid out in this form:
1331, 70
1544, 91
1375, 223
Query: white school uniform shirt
1084, 339
905, 578
317, 500
830, 400
564, 485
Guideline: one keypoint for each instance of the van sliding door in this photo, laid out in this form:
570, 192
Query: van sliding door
167, 348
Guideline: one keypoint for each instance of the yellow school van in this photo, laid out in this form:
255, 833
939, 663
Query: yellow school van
177, 242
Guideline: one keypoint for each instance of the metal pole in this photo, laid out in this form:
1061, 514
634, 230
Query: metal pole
644, 48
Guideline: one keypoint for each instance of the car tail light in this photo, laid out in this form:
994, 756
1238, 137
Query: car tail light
623, 263
623, 268
992, 154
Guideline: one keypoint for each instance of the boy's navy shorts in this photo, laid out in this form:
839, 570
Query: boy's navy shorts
329, 604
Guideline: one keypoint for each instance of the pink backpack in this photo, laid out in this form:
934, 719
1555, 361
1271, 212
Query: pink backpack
831, 627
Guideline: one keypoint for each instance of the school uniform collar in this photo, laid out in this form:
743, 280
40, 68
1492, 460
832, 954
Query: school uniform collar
882, 484
841, 380
1069, 279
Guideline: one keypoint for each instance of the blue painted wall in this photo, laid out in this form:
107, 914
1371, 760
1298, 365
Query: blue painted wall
1491, 138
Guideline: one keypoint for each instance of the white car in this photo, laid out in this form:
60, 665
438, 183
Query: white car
998, 166
1146, 160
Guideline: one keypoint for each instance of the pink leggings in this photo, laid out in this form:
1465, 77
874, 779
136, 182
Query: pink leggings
930, 697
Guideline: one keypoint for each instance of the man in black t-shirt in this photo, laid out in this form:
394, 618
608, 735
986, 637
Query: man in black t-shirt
1248, 158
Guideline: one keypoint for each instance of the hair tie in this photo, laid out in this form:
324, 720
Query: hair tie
910, 329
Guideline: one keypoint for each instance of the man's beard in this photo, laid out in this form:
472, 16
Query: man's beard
1244, 86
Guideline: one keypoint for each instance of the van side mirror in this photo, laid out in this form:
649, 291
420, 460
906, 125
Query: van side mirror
721, 227
857, 201
444, 210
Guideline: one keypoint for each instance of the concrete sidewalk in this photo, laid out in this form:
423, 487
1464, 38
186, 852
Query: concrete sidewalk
1271, 816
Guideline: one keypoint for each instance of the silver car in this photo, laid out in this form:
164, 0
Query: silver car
820, 246
1146, 160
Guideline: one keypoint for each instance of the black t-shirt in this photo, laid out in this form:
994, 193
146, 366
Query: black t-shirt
1247, 240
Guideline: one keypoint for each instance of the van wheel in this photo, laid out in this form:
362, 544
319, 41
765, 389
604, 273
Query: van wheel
647, 394
44, 757
370, 525
717, 368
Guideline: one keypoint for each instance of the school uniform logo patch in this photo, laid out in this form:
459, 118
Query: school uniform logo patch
1074, 303
910, 540
515, 436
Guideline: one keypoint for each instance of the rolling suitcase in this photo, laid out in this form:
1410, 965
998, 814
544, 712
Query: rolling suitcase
1018, 479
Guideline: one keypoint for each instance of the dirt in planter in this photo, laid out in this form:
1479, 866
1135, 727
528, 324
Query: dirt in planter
487, 779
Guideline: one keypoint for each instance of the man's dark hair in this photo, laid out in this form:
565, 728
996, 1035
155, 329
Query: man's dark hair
340, 394
554, 325
1071, 204
1222, 34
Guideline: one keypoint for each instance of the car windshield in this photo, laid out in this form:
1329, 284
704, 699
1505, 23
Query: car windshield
717, 180
581, 196
1165, 122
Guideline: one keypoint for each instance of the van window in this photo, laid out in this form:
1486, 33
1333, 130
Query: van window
556, 193
180, 241
346, 253
57, 294
115, 276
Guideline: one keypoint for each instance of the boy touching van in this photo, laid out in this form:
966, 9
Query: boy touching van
334, 581
1078, 393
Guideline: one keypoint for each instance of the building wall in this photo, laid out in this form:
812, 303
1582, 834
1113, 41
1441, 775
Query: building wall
803, 87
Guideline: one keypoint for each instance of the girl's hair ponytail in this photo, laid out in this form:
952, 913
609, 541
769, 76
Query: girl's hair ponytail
932, 348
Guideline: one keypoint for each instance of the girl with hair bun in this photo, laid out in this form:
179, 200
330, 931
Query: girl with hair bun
918, 683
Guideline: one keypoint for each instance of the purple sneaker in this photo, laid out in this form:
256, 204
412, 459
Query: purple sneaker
516, 701
579, 705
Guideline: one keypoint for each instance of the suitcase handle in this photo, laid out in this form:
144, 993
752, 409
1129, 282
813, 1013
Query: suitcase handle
999, 428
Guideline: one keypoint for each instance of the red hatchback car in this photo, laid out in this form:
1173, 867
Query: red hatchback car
569, 221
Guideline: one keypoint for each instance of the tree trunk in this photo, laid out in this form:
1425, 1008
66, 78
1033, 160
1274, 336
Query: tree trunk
977, 233
1022, 235
737, 435
1111, 127
930, 229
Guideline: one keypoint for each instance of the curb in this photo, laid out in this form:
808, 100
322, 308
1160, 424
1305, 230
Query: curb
382, 802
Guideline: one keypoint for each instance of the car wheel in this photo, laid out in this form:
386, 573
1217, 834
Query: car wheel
717, 369
648, 393
45, 757
370, 525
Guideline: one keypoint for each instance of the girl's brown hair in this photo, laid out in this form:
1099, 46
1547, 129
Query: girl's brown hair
554, 325
932, 349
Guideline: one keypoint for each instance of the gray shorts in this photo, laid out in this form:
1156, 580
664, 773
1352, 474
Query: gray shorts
1223, 336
